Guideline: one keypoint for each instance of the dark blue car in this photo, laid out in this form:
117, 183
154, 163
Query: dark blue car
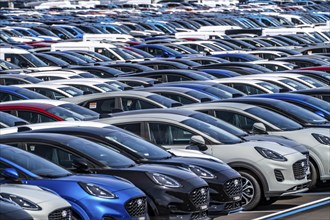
92, 197
318, 106
11, 93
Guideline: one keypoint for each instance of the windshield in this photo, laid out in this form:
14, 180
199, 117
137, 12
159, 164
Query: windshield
275, 119
65, 114
98, 152
9, 120
72, 91
318, 102
294, 84
214, 132
162, 100
219, 123
7, 66
301, 113
106, 88
25, 60
218, 92
138, 145
270, 87
33, 163
312, 81
89, 114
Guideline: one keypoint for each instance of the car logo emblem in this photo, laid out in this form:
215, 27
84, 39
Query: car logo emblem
236, 182
203, 191
302, 164
64, 213
139, 202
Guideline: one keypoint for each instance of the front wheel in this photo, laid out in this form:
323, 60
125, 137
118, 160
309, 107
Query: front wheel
251, 190
313, 176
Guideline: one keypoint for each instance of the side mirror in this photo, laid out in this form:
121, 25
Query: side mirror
10, 173
259, 128
236, 95
87, 92
166, 55
176, 104
206, 99
80, 165
197, 142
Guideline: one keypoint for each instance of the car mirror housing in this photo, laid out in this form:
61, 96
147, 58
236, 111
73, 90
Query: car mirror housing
197, 143
259, 128
11, 174
81, 165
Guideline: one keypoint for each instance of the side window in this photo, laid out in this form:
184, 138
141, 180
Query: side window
8, 97
135, 104
33, 117
53, 154
247, 89
178, 98
236, 119
13, 82
174, 78
128, 69
101, 106
132, 127
106, 53
166, 134
85, 88
49, 93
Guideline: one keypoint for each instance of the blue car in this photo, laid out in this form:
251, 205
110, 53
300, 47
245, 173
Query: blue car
160, 51
92, 197
11, 93
237, 57
318, 106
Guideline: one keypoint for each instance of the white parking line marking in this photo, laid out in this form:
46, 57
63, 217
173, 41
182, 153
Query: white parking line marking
303, 206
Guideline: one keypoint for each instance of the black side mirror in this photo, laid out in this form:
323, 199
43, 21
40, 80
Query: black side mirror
206, 99
81, 165
87, 92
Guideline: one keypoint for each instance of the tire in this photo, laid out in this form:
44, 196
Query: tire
313, 175
75, 216
251, 194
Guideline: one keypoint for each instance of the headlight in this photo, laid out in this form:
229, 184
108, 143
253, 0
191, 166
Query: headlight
201, 172
269, 154
322, 139
97, 191
24, 203
164, 180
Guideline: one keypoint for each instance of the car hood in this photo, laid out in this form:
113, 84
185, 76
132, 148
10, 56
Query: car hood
113, 183
32, 193
193, 154
280, 140
304, 135
265, 144
176, 172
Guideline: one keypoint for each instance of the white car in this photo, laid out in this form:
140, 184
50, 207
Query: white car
40, 203
266, 167
61, 74
256, 119
86, 85
53, 91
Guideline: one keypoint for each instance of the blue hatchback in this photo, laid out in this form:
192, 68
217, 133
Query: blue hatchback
92, 197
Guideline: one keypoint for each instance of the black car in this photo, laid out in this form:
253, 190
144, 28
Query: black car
294, 112
130, 67
163, 64
72, 60
100, 71
172, 192
11, 211
224, 195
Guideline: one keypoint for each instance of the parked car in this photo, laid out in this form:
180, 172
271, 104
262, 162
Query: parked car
38, 202
14, 79
321, 93
254, 119
11, 93
122, 101
114, 196
176, 131
161, 184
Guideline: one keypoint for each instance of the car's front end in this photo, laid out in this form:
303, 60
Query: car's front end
172, 193
99, 197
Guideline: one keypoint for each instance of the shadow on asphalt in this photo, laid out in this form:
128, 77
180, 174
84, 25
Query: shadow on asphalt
274, 207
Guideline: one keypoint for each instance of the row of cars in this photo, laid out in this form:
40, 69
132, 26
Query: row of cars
157, 125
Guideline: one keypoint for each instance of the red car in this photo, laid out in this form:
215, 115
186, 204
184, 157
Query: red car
39, 112
317, 68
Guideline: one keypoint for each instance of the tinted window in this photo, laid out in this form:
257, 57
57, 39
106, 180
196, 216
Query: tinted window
132, 127
4, 97
34, 117
136, 104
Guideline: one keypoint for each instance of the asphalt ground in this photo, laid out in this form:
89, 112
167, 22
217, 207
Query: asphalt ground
312, 205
